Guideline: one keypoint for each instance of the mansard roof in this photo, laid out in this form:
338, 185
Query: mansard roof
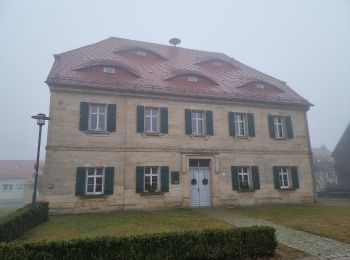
152, 76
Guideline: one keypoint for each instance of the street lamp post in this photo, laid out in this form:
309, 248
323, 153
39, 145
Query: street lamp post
40, 120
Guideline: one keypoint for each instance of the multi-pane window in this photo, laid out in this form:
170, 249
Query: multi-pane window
7, 187
243, 177
97, 117
283, 177
240, 124
94, 181
192, 79
152, 120
197, 122
151, 179
279, 126
109, 70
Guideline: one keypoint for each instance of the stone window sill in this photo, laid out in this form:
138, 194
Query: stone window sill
287, 189
102, 196
99, 133
193, 136
152, 134
245, 190
237, 138
158, 193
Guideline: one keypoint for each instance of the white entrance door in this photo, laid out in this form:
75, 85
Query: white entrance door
200, 186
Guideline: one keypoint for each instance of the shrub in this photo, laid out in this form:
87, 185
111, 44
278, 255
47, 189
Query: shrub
18, 222
237, 243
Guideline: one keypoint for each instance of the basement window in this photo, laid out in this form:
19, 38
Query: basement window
108, 70
192, 79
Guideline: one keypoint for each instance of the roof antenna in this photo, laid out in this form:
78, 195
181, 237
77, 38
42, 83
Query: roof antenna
174, 41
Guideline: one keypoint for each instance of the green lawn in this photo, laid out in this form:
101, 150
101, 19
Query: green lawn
120, 223
329, 218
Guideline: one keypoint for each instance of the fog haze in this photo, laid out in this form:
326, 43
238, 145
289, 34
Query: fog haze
305, 43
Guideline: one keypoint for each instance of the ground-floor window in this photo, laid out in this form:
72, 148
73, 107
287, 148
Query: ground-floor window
243, 177
283, 177
94, 181
151, 179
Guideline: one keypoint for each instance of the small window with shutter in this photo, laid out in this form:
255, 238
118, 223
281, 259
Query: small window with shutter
97, 117
280, 127
286, 177
241, 124
245, 178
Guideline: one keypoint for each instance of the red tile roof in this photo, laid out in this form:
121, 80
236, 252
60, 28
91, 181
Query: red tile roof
19, 169
151, 77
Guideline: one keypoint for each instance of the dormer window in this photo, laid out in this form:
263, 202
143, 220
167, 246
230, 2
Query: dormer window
141, 53
217, 63
260, 86
109, 70
192, 79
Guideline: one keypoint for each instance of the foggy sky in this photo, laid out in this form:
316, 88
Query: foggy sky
305, 43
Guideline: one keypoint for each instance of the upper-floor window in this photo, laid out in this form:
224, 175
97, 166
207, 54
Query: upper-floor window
152, 120
110, 70
260, 86
198, 122
217, 63
94, 181
97, 117
280, 127
241, 124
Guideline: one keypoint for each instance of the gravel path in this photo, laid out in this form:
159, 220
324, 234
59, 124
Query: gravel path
320, 247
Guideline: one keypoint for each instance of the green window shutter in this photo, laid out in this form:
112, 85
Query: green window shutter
109, 180
271, 126
209, 122
80, 181
164, 120
295, 177
164, 179
111, 117
84, 116
188, 121
140, 119
231, 123
276, 177
140, 179
234, 173
251, 127
255, 177
289, 127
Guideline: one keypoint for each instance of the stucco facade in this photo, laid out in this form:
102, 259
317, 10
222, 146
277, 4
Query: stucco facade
125, 149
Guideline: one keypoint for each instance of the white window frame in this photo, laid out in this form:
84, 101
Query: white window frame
109, 70
98, 115
192, 79
151, 116
242, 172
141, 53
198, 121
94, 176
151, 175
279, 126
7, 187
241, 120
283, 176
260, 86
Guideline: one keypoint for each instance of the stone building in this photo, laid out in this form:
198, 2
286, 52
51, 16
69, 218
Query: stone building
139, 125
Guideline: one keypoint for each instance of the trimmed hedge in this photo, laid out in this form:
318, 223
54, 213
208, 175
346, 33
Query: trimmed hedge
20, 221
237, 243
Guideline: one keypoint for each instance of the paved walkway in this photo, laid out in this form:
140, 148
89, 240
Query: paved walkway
320, 247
